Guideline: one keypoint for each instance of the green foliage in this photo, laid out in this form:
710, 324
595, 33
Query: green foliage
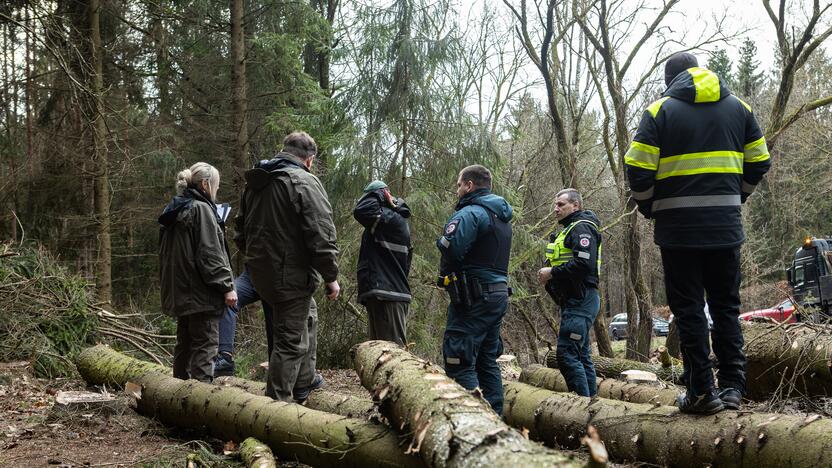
720, 64
748, 79
45, 317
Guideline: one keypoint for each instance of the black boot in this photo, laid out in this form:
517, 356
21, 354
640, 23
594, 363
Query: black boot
731, 398
707, 403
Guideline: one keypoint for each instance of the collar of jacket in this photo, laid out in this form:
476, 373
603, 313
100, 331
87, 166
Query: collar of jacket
469, 197
280, 161
181, 202
571, 218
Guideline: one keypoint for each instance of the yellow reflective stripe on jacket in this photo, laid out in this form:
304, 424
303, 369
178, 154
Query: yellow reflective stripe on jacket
654, 108
756, 151
716, 162
642, 155
744, 104
706, 83
557, 254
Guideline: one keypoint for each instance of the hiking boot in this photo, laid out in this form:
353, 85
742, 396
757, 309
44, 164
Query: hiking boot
224, 365
302, 393
731, 398
707, 403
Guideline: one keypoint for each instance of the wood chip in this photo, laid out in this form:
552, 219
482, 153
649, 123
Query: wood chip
434, 377
811, 419
451, 396
717, 441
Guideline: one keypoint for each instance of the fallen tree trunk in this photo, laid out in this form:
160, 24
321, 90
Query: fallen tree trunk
663, 436
788, 359
450, 426
613, 367
113, 368
321, 400
256, 454
293, 432
552, 379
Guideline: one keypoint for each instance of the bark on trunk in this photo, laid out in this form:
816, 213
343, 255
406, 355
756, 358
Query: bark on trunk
256, 454
613, 367
790, 359
292, 431
552, 379
602, 337
672, 342
321, 400
239, 86
663, 436
450, 426
122, 368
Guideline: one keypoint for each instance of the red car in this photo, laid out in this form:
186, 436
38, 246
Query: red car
781, 312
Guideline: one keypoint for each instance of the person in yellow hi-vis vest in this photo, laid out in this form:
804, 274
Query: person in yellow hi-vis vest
574, 258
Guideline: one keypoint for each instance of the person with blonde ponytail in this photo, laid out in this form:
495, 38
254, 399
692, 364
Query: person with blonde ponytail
195, 271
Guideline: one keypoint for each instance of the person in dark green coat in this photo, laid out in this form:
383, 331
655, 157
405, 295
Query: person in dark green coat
287, 237
194, 271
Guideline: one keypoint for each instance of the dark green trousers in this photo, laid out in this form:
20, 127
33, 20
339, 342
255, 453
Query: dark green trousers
197, 339
387, 320
292, 362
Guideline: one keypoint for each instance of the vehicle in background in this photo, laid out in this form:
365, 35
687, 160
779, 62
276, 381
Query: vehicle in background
618, 327
782, 312
810, 276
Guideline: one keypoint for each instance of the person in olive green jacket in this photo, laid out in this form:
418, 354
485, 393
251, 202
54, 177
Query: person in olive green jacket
195, 272
287, 237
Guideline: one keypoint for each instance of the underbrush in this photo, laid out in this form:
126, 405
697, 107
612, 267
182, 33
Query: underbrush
45, 316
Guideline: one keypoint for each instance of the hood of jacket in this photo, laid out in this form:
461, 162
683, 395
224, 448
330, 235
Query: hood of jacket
494, 203
183, 202
697, 85
261, 175
581, 215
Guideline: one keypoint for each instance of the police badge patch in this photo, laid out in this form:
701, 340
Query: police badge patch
451, 227
584, 242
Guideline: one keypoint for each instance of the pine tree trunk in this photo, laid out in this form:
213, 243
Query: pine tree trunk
293, 432
614, 389
321, 400
613, 367
239, 90
100, 159
451, 427
663, 436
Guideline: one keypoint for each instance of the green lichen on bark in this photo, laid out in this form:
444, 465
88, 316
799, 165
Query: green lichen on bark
663, 436
256, 454
450, 426
293, 432
552, 379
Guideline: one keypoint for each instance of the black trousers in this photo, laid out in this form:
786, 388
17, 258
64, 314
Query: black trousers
690, 274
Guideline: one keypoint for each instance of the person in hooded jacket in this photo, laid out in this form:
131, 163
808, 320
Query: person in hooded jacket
284, 230
697, 156
384, 262
194, 271
572, 281
475, 248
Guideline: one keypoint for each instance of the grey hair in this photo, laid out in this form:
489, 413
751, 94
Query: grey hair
192, 176
572, 195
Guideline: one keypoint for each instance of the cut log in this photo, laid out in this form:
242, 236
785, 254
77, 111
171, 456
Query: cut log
86, 402
794, 359
321, 400
663, 436
256, 454
450, 426
664, 357
293, 432
552, 379
613, 367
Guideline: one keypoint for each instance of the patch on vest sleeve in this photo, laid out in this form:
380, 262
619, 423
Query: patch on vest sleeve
583, 255
451, 227
444, 242
575, 336
584, 242
452, 360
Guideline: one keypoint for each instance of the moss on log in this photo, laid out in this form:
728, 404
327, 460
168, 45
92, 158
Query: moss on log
613, 367
552, 379
663, 436
794, 358
256, 454
293, 432
321, 400
450, 426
